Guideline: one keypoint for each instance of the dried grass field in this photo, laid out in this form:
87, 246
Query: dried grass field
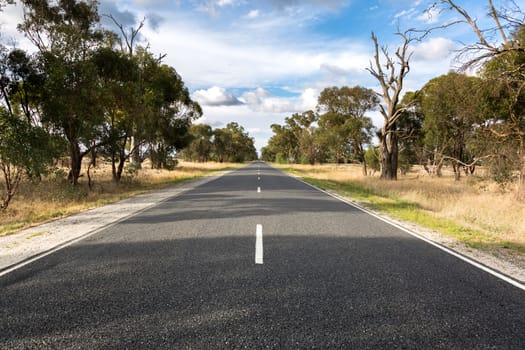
474, 210
53, 197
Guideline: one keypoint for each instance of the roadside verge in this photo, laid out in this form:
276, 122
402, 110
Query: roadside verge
33, 243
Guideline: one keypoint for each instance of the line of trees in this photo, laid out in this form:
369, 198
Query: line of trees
229, 144
454, 119
338, 131
85, 92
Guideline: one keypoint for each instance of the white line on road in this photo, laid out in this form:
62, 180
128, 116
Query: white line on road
259, 245
258, 190
466, 259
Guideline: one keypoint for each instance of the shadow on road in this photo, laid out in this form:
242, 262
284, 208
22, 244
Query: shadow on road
207, 293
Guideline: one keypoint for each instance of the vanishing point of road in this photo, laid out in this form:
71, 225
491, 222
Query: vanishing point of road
256, 259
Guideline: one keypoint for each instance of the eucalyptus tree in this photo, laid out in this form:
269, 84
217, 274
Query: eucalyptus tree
233, 144
201, 145
66, 34
169, 112
117, 77
26, 148
282, 146
344, 122
499, 49
450, 106
410, 132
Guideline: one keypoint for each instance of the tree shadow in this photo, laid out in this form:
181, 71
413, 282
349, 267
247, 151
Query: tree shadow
207, 293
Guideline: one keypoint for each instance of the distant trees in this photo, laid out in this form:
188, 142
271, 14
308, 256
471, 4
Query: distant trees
229, 144
340, 133
344, 120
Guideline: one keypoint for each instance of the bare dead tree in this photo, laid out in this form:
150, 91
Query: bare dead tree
391, 71
505, 21
129, 38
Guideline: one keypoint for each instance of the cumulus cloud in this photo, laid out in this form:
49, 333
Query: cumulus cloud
215, 96
435, 49
260, 100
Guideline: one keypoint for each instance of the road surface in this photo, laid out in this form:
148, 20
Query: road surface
256, 260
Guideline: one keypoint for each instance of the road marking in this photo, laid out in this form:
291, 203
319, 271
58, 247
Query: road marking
258, 245
258, 190
460, 256
259, 178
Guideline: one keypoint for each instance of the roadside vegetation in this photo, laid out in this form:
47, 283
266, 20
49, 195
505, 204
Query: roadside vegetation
476, 210
86, 98
54, 197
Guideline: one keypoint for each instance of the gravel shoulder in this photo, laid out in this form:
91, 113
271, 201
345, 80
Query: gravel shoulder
38, 240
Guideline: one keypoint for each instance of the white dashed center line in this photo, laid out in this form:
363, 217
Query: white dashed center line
258, 190
259, 245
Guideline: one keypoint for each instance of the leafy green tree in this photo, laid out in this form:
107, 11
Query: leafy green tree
233, 144
25, 149
21, 83
501, 132
410, 133
66, 35
500, 48
169, 114
450, 108
283, 144
118, 75
344, 122
372, 158
201, 145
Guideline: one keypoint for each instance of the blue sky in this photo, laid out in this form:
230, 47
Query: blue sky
257, 62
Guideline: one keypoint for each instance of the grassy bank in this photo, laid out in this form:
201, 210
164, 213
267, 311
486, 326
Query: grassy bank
475, 211
53, 197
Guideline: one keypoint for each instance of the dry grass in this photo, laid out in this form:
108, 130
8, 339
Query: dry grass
53, 197
480, 210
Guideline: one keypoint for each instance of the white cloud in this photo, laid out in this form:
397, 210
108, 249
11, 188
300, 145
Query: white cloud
235, 59
261, 100
435, 49
222, 3
215, 96
405, 13
253, 14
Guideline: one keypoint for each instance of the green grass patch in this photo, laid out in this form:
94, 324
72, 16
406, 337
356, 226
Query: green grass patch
411, 212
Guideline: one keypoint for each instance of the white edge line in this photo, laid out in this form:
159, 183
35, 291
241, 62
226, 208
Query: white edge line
258, 245
412, 233
38, 256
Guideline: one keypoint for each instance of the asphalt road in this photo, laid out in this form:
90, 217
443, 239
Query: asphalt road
183, 275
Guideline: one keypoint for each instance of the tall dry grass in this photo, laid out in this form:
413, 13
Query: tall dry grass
52, 197
473, 202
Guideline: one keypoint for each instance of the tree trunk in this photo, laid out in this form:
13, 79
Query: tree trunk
76, 162
389, 152
521, 180
135, 156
